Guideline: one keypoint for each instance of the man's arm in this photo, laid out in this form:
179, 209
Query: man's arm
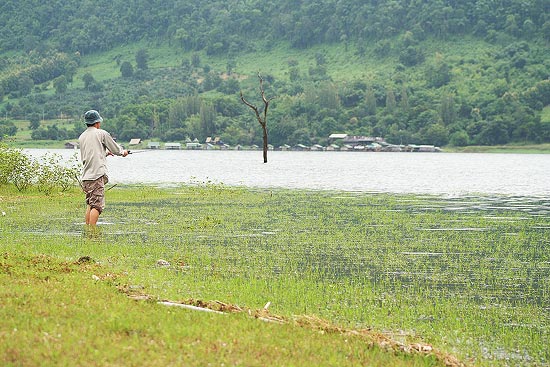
112, 147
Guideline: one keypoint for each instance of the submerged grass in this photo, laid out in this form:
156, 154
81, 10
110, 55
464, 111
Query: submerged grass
469, 276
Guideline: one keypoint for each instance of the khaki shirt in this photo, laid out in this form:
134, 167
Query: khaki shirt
94, 144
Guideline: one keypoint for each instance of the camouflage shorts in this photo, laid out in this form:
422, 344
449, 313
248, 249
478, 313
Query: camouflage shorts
95, 193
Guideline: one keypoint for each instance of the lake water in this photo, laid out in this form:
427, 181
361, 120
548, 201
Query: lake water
451, 174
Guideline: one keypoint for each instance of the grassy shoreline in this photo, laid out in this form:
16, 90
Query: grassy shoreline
511, 148
466, 278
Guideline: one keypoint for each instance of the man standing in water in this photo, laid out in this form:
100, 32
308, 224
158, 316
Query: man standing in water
95, 145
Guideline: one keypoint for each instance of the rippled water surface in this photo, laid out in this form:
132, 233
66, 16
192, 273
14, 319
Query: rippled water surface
429, 173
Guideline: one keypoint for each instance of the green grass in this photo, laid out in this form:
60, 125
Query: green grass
55, 313
343, 63
469, 276
23, 139
510, 148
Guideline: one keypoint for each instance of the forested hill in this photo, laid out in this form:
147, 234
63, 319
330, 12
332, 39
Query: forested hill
90, 26
420, 71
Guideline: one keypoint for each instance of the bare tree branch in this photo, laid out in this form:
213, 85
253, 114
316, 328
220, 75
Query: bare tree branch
261, 120
253, 108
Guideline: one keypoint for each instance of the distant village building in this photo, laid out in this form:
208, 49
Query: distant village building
392, 148
215, 143
375, 144
300, 147
135, 141
71, 145
354, 140
422, 148
172, 146
337, 136
374, 147
153, 145
193, 145
368, 142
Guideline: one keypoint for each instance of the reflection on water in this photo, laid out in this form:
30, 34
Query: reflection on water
429, 173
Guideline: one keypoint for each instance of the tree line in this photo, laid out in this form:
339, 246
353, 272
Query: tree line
225, 25
493, 98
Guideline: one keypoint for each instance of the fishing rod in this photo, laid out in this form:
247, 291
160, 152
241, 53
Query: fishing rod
139, 151
129, 152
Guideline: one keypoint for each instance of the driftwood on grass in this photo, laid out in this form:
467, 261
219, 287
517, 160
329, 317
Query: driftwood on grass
261, 115
371, 337
190, 307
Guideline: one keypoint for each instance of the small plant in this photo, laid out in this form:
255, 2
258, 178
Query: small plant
47, 174
25, 174
10, 160
53, 174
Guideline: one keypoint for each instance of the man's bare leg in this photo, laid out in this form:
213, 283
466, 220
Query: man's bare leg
92, 215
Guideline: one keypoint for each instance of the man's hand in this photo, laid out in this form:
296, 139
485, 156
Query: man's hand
125, 153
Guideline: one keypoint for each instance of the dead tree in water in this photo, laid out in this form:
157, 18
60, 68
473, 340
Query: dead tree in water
262, 117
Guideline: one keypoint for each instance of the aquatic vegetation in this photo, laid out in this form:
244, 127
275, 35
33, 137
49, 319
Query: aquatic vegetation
470, 275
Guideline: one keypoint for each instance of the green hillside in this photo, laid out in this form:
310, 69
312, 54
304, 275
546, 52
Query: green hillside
474, 73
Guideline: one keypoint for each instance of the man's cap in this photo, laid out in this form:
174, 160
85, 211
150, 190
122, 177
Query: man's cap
91, 117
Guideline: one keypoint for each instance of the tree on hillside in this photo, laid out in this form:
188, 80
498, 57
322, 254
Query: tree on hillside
7, 128
370, 101
88, 80
25, 85
60, 84
546, 31
34, 121
438, 73
207, 115
126, 69
404, 103
390, 100
447, 110
142, 59
262, 117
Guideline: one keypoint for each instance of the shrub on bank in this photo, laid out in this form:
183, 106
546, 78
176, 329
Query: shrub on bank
47, 174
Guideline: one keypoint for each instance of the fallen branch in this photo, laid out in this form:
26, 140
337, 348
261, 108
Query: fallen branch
190, 307
371, 337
